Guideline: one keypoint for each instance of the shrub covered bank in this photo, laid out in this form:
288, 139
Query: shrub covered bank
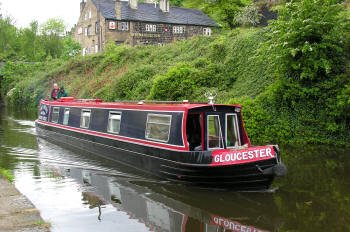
291, 77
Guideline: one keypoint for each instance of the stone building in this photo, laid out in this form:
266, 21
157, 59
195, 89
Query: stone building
134, 23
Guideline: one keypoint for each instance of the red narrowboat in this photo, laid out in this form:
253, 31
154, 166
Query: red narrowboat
203, 144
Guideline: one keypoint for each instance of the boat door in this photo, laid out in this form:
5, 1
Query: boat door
214, 131
222, 131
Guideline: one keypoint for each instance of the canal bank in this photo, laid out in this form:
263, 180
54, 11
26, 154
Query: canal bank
17, 213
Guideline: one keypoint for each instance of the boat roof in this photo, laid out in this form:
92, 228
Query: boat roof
139, 105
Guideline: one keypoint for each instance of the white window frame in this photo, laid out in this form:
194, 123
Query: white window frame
108, 123
66, 120
178, 29
151, 27
167, 124
58, 114
237, 133
81, 117
207, 31
124, 26
220, 133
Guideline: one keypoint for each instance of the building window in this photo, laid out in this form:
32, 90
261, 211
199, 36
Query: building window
85, 118
158, 127
111, 25
66, 116
178, 30
207, 31
214, 133
97, 28
55, 114
88, 30
151, 27
90, 14
96, 48
114, 120
123, 26
86, 16
232, 131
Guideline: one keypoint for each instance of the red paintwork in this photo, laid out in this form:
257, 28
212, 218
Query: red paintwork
242, 156
116, 137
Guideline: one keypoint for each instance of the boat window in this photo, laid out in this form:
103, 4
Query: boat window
114, 122
232, 132
158, 127
55, 114
85, 118
66, 116
214, 133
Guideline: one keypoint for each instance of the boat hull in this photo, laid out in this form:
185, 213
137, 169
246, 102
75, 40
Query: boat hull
186, 167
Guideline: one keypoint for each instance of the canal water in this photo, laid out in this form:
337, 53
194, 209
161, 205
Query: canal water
79, 192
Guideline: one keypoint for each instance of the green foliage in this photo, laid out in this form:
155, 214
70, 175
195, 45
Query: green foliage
177, 84
248, 16
53, 26
28, 44
309, 37
8, 36
222, 11
6, 174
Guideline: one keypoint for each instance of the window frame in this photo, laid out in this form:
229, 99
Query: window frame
58, 114
64, 116
151, 27
178, 29
109, 116
237, 132
123, 26
81, 116
207, 31
168, 124
221, 142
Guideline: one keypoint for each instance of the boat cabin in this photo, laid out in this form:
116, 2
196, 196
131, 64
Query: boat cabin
176, 126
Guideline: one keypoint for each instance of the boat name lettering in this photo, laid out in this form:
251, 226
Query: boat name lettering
232, 225
243, 156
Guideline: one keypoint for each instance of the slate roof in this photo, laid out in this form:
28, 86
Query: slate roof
147, 12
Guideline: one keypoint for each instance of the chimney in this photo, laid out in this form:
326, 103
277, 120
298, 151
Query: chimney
133, 4
82, 5
164, 5
118, 9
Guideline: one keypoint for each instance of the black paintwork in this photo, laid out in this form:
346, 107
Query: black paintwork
182, 166
186, 167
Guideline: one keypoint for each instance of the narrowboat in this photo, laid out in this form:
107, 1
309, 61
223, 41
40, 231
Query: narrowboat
202, 144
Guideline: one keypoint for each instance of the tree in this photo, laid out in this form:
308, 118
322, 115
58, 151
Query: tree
8, 39
53, 26
312, 39
52, 33
222, 11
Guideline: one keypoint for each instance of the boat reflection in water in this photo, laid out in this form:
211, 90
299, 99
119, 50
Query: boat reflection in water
170, 207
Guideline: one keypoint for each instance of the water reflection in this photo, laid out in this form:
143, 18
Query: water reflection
156, 207
82, 192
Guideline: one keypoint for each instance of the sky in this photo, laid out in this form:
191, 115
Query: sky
25, 11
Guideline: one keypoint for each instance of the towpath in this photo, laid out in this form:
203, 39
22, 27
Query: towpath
17, 213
